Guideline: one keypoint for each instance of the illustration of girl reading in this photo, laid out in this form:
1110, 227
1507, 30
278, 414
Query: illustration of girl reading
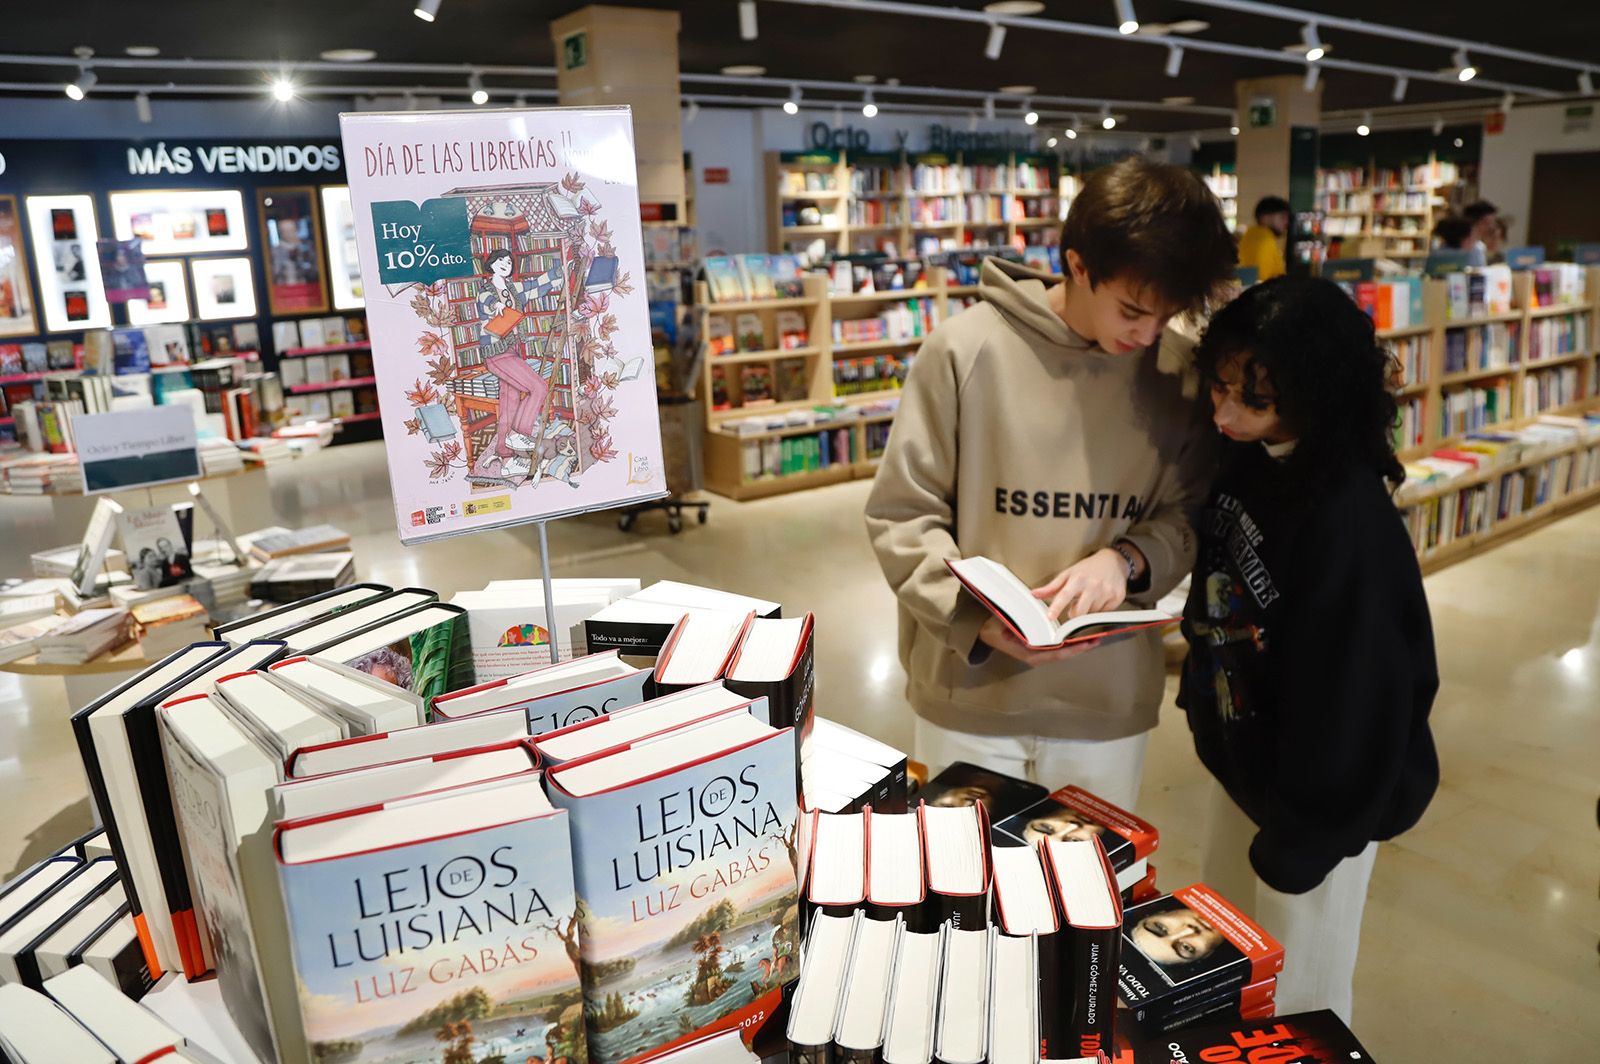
523, 391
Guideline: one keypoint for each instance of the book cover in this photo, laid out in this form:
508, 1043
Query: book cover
1189, 944
96, 541
724, 280
153, 542
1074, 813
113, 951
510, 633
549, 712
967, 784
425, 650
1302, 1038
688, 911
554, 419
465, 946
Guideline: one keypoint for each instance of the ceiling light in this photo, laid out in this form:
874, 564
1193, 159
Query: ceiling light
142, 51
747, 20
427, 10
791, 106
694, 110
1438, 125
1586, 82
283, 89
1365, 128
1178, 101
1400, 83
1051, 143
865, 79
1465, 71
868, 108
1313, 43
480, 95
141, 107
988, 107
891, 82
1107, 119
996, 41
1233, 127
1507, 101
1018, 90
80, 88
972, 121
1194, 142
1127, 21
1174, 61
1459, 142
349, 55
744, 70
1313, 72
1030, 116
1072, 134
1014, 7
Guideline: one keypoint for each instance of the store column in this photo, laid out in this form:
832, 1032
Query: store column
607, 56
1277, 155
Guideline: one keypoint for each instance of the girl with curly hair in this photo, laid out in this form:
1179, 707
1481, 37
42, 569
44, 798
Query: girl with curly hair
1311, 667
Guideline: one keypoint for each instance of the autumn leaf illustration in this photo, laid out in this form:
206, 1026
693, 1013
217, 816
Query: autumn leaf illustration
430, 344
610, 380
438, 465
440, 370
421, 304
413, 426
452, 450
624, 286
587, 207
573, 184
604, 408
421, 394
600, 448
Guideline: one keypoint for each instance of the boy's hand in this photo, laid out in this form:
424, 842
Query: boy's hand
1093, 585
994, 633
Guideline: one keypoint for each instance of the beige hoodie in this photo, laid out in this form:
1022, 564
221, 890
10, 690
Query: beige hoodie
1019, 440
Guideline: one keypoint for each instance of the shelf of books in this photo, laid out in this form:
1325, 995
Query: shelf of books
1385, 212
801, 373
1224, 184
1499, 392
913, 204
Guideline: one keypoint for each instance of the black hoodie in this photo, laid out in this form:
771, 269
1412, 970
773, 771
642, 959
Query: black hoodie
1311, 665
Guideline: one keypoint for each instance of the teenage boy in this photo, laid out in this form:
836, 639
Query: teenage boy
1259, 245
1037, 429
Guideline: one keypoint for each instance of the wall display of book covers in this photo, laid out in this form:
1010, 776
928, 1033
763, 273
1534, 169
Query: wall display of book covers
223, 288
291, 245
65, 232
16, 294
168, 300
181, 221
344, 265
511, 342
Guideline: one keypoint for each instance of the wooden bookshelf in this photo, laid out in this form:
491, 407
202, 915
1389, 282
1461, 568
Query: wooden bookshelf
725, 442
867, 202
1393, 209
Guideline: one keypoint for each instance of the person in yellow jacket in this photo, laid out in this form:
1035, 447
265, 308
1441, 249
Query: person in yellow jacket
1259, 246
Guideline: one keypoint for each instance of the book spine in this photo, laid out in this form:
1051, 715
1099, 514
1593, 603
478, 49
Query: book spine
1055, 988
130, 972
144, 743
1092, 957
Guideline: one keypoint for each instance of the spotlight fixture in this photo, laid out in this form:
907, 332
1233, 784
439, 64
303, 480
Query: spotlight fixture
694, 111
141, 107
747, 20
1586, 82
1014, 7
1438, 125
1507, 101
791, 106
480, 95
1174, 60
1127, 21
972, 121
282, 89
78, 89
1029, 115
1400, 83
996, 41
988, 107
1107, 119
1051, 143
1072, 130
1233, 127
427, 10
1313, 43
1465, 71
1460, 142
868, 108
1072, 134
1365, 128
1313, 72
1194, 142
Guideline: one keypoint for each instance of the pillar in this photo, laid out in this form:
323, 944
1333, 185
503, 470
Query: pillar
608, 56
1272, 161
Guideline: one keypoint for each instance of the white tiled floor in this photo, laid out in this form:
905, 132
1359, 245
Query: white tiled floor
1481, 927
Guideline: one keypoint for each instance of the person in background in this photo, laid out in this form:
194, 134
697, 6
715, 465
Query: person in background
1311, 667
1260, 247
1045, 429
1454, 233
1484, 217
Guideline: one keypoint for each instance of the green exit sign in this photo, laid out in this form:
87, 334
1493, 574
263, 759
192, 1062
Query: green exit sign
575, 50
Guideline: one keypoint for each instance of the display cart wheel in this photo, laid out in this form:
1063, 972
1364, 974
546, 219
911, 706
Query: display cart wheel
675, 523
703, 514
625, 520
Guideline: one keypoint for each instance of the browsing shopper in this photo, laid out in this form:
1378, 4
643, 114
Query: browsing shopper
1259, 247
1311, 665
1037, 429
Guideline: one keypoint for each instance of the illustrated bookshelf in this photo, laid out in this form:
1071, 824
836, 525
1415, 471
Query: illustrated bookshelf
913, 204
1498, 373
837, 429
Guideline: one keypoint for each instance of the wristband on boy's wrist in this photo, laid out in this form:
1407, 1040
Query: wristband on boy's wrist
1129, 560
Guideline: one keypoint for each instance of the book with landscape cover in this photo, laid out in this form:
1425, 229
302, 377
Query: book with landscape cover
1027, 618
555, 696
684, 855
425, 650
441, 923
1189, 945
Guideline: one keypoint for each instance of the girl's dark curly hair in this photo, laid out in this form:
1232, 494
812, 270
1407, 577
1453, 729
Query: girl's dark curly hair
1331, 376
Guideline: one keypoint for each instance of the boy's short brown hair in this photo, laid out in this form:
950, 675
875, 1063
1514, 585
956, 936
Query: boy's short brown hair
1153, 225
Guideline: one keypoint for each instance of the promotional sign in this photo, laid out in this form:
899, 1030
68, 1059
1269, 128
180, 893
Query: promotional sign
1525, 258
503, 272
136, 448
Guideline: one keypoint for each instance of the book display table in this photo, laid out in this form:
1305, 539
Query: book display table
244, 498
86, 682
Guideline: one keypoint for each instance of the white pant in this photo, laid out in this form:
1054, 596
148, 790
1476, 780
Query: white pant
1109, 768
1320, 929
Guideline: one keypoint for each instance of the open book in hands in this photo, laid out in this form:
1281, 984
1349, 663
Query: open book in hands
1028, 617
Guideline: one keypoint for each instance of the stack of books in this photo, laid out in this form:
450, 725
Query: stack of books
219, 456
82, 1016
510, 632
61, 561
221, 585
265, 451
84, 636
165, 624
21, 640
275, 542
301, 576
